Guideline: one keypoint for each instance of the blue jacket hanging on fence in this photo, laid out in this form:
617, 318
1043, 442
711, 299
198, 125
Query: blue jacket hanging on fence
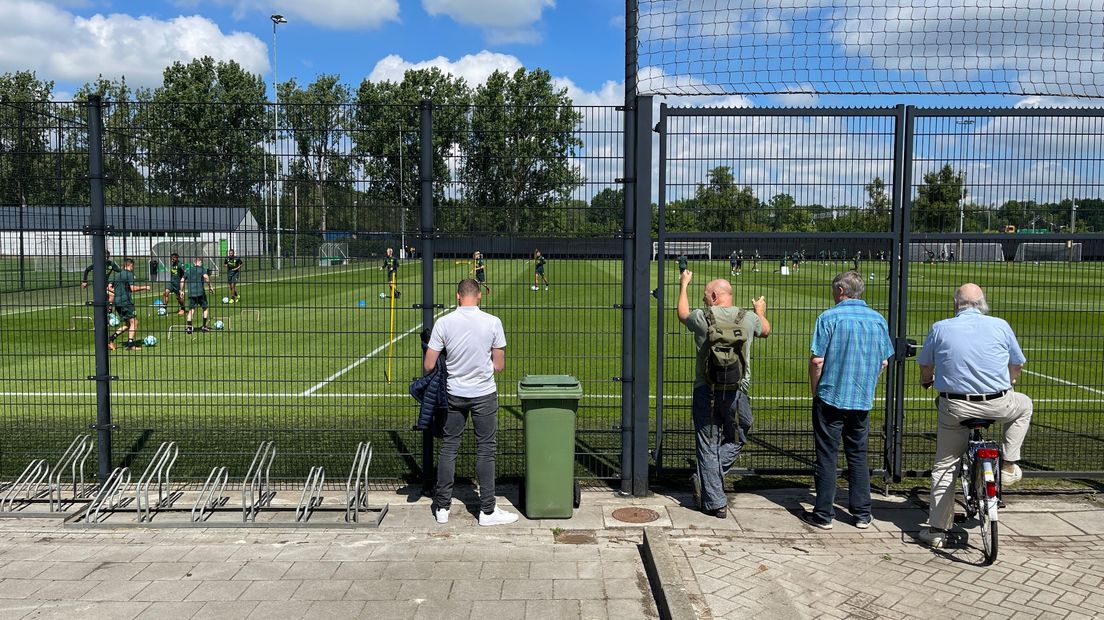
430, 390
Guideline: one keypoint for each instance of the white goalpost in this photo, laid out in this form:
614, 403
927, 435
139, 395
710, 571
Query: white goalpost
690, 249
1035, 251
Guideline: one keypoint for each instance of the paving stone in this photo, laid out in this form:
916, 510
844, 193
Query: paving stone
159, 571
561, 610
20, 588
176, 610
455, 570
227, 610
577, 589
114, 590
373, 590
87, 609
359, 571
527, 589
267, 610
476, 590
1037, 524
218, 591
313, 570
261, 570
336, 609
505, 570
268, 590
166, 591
314, 590
425, 589
553, 570
443, 610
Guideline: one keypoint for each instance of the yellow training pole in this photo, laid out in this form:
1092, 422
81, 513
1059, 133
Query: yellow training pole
391, 331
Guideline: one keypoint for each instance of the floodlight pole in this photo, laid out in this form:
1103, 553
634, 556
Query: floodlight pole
402, 202
277, 19
964, 123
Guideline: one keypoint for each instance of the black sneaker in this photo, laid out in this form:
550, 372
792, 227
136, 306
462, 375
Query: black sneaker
720, 513
811, 520
188, 330
134, 347
205, 329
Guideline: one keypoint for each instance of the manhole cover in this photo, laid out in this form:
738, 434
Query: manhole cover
635, 515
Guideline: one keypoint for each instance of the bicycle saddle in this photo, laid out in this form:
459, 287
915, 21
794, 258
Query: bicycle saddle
976, 423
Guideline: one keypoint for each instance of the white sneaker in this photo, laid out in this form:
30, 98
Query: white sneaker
441, 514
1010, 478
498, 517
935, 540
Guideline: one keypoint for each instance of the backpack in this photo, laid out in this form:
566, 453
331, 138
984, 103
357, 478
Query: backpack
725, 366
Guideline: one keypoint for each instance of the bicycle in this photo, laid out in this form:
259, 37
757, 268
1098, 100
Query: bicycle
979, 475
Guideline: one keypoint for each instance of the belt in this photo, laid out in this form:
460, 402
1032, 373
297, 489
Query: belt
973, 397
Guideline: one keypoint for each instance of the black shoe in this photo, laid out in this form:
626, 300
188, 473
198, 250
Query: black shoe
134, 347
188, 331
205, 329
720, 513
811, 520
695, 486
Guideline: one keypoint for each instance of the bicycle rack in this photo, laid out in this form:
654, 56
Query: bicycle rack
158, 470
25, 488
211, 497
72, 459
307, 503
255, 493
210, 506
112, 488
356, 487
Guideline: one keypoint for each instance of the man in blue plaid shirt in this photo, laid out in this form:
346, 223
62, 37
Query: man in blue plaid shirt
850, 350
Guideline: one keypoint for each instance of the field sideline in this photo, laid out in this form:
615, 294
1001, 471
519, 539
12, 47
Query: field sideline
303, 363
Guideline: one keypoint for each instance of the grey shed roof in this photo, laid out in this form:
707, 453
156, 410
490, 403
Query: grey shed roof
127, 219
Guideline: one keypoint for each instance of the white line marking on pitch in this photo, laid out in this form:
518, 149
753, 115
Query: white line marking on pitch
1063, 381
371, 354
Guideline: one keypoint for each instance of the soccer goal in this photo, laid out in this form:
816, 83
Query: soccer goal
980, 252
924, 252
1034, 251
330, 254
690, 249
188, 251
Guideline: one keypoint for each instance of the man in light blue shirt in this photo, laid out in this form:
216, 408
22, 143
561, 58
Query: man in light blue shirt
972, 360
849, 351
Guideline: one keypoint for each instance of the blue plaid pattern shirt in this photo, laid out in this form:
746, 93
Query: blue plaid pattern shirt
854, 340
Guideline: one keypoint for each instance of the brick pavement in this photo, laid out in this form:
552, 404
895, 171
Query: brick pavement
760, 562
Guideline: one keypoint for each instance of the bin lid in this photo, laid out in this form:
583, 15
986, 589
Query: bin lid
549, 386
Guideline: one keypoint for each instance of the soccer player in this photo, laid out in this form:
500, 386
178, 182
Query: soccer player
391, 266
172, 286
124, 305
480, 270
755, 262
197, 282
233, 266
111, 268
795, 261
682, 263
856, 263
736, 262
538, 269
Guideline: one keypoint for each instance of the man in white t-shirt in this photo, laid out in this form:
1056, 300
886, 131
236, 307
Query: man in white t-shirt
475, 347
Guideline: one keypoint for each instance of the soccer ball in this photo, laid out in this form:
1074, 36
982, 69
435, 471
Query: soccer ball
225, 300
219, 325
161, 311
534, 288
113, 320
150, 341
383, 295
871, 276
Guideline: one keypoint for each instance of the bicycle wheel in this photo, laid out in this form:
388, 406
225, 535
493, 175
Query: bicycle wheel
966, 481
986, 519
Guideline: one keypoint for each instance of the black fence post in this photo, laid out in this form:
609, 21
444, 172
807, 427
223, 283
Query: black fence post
426, 233
902, 198
628, 309
98, 229
898, 253
642, 298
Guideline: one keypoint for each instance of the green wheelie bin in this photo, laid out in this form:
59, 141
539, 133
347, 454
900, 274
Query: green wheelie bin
548, 405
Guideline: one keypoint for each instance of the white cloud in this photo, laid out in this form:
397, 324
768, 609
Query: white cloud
502, 21
474, 68
59, 45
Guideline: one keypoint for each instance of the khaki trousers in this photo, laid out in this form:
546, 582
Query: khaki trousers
1013, 410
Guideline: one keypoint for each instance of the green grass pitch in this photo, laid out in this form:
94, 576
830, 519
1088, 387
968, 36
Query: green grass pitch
305, 364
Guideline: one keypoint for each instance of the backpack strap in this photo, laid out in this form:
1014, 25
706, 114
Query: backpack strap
710, 320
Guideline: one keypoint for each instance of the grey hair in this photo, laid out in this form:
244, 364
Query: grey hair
979, 304
852, 284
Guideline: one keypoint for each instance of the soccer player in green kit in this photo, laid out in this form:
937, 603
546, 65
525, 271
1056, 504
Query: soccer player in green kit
233, 266
111, 268
538, 270
197, 281
172, 286
124, 306
480, 270
391, 266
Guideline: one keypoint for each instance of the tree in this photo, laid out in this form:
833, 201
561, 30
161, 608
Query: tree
317, 119
722, 206
935, 208
387, 134
122, 139
518, 165
204, 130
24, 126
607, 210
879, 205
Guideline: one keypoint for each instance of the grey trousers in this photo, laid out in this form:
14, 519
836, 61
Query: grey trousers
722, 421
1013, 409
484, 415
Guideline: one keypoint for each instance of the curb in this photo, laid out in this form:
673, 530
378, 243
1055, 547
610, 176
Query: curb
669, 591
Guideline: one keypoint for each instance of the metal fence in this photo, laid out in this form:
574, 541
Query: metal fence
316, 356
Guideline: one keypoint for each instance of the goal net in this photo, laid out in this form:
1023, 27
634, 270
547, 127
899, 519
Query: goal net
188, 251
330, 254
690, 249
979, 252
1048, 251
928, 252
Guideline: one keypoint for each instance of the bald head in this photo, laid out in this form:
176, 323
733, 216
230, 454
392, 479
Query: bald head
970, 295
718, 293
